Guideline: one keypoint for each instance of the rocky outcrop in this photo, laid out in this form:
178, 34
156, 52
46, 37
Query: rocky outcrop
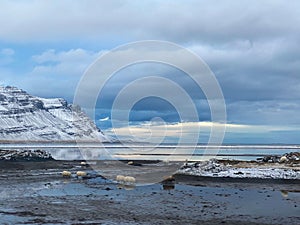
289, 158
24, 117
25, 155
216, 168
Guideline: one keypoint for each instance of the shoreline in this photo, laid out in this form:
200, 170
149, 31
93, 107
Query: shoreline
40, 195
285, 167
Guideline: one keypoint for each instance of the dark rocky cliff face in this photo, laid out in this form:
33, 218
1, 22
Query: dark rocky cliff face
29, 118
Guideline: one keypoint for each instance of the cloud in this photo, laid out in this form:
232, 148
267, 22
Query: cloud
53, 73
262, 68
178, 21
253, 49
271, 112
71, 56
104, 119
157, 131
251, 98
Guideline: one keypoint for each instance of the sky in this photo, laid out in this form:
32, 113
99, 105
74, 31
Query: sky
251, 47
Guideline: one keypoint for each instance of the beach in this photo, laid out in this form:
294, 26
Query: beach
36, 193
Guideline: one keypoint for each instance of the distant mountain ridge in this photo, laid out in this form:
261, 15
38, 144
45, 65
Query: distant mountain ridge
24, 117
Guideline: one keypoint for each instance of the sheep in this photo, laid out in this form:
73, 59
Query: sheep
81, 174
166, 161
125, 179
283, 159
120, 178
126, 182
129, 180
66, 173
284, 193
132, 163
83, 163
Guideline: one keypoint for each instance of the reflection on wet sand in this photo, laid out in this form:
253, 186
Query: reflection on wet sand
168, 183
48, 197
127, 187
168, 187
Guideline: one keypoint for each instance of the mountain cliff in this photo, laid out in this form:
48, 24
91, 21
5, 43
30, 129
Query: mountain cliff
24, 117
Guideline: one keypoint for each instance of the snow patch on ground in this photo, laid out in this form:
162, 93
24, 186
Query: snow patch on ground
213, 168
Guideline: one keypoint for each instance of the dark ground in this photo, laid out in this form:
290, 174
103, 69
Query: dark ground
36, 193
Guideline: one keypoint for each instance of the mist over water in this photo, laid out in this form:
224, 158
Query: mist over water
138, 151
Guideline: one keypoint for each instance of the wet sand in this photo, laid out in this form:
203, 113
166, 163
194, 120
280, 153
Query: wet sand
36, 193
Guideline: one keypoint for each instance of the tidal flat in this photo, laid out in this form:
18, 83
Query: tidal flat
36, 193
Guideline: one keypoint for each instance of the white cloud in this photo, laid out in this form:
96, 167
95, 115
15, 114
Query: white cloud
104, 119
61, 67
172, 20
70, 56
153, 132
157, 132
56, 73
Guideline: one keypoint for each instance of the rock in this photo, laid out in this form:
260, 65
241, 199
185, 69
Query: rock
133, 163
215, 168
290, 158
212, 166
25, 155
239, 173
293, 157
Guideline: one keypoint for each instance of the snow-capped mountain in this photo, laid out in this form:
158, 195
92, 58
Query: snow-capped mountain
28, 118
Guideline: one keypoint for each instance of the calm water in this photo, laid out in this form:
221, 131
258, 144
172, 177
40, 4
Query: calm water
92, 151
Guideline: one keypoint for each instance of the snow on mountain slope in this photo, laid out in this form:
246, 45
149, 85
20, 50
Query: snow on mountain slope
28, 118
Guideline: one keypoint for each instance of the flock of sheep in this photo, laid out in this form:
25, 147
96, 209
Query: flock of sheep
123, 181
82, 174
69, 174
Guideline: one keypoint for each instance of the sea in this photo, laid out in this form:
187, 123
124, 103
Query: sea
148, 151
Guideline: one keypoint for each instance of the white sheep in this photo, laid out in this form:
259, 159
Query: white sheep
284, 193
83, 163
120, 179
283, 159
66, 173
125, 179
129, 180
166, 161
81, 174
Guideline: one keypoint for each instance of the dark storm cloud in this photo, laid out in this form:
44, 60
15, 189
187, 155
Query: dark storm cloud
189, 21
147, 108
251, 46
